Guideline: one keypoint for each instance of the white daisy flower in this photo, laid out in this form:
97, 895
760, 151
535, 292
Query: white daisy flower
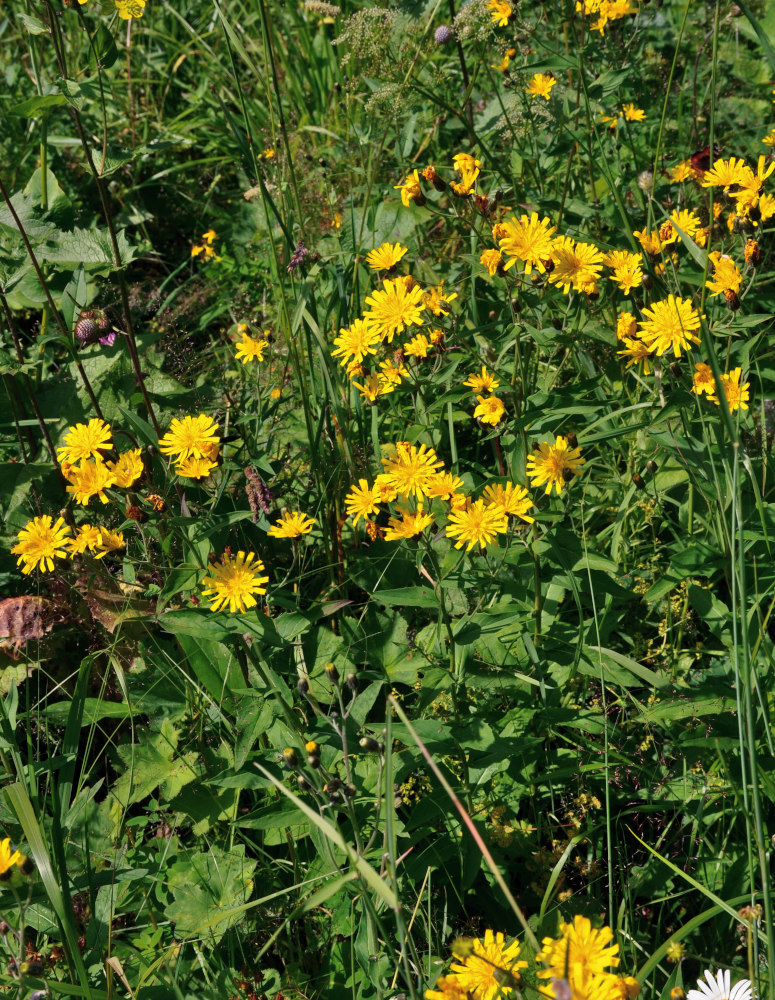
717, 988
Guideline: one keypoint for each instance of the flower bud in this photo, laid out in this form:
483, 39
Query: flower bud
332, 673
290, 757
367, 743
442, 34
312, 748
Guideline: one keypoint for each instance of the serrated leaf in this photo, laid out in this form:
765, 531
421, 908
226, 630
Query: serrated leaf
34, 107
87, 246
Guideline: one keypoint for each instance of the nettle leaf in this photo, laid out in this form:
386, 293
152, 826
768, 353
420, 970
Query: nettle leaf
87, 246
210, 891
34, 107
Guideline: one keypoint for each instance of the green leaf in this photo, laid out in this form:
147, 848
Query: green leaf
34, 107
206, 888
408, 597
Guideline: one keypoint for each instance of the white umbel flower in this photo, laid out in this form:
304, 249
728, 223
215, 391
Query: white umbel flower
717, 988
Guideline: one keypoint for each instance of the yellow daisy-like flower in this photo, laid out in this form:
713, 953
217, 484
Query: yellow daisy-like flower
418, 346
110, 541
435, 299
626, 267
491, 260
8, 858
575, 264
190, 437
234, 581
682, 171
408, 524
492, 968
528, 240
726, 276
724, 173
670, 325
626, 326
372, 387
636, 351
391, 374
195, 467
650, 241
703, 381
355, 342
687, 221
769, 139
87, 538
554, 464
412, 470
393, 308
89, 479
448, 988
490, 409
85, 441
40, 542
737, 394
444, 486
633, 114
410, 189
580, 948
292, 524
385, 256
250, 349
500, 12
128, 469
510, 499
486, 382
541, 85
477, 524
129, 8
362, 500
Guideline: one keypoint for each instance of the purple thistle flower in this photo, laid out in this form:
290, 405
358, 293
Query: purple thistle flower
442, 34
300, 254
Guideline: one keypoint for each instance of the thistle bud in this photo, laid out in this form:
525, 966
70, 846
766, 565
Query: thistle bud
442, 34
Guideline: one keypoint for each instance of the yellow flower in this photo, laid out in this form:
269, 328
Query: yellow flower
610, 120
40, 542
269, 153
724, 173
129, 8
128, 469
528, 240
444, 486
292, 524
88, 537
412, 470
636, 351
391, 374
726, 277
626, 267
541, 85
110, 541
435, 299
703, 380
737, 395
372, 387
355, 342
510, 499
234, 581
250, 349
633, 114
687, 221
210, 237
477, 523
578, 952
89, 479
393, 308
385, 256
670, 324
554, 464
575, 264
650, 241
195, 467
491, 969
362, 500
626, 326
490, 409
448, 988
85, 441
682, 171
410, 189
418, 346
8, 858
486, 382
500, 12
503, 65
769, 139
408, 525
190, 437
491, 260
469, 168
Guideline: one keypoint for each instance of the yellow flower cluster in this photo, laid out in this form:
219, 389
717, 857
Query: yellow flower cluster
205, 249
490, 409
194, 445
604, 11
